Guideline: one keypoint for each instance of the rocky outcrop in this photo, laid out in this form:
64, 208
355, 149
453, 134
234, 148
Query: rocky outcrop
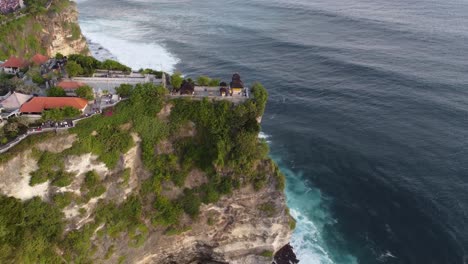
53, 31
62, 33
234, 230
246, 227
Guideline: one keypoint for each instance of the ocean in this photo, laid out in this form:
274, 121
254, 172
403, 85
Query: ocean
367, 116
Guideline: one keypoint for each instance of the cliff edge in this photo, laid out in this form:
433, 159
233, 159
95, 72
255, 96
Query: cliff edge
49, 30
152, 180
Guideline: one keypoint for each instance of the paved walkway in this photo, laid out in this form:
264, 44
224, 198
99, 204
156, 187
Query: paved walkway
33, 131
109, 84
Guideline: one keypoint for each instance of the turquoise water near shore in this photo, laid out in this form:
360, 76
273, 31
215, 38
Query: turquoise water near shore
367, 114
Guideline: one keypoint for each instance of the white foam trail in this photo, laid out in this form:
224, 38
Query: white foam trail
136, 54
306, 206
264, 136
305, 241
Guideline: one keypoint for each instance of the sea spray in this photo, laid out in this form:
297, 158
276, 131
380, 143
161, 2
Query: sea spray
307, 207
113, 45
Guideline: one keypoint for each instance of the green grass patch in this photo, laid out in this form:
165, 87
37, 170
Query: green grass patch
267, 254
92, 185
268, 209
63, 200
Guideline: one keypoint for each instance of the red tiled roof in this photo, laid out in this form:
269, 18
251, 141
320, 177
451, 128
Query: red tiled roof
70, 85
14, 62
39, 104
39, 59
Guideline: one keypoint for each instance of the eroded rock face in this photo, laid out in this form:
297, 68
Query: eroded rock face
47, 33
64, 34
15, 177
236, 229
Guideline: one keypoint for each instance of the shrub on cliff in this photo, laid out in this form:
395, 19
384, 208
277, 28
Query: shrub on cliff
74, 69
56, 92
114, 66
60, 114
190, 202
166, 213
207, 81
176, 80
87, 63
29, 231
156, 73
124, 90
203, 80
260, 97
85, 92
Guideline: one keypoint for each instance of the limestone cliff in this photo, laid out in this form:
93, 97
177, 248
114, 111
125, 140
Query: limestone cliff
62, 33
247, 226
48, 32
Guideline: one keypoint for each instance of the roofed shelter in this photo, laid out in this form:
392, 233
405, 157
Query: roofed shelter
70, 86
13, 65
223, 90
15, 101
39, 59
237, 86
187, 88
38, 104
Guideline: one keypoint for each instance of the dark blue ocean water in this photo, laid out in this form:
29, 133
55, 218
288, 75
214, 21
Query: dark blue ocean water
368, 110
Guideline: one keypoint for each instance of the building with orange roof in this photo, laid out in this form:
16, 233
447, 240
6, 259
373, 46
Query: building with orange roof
13, 65
39, 59
70, 87
38, 104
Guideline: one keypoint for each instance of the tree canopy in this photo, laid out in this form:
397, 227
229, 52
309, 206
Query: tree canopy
124, 90
115, 65
85, 92
207, 81
74, 69
176, 80
60, 114
89, 65
56, 92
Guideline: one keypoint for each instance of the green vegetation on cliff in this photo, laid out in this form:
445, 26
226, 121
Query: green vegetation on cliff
29, 231
217, 139
28, 31
87, 65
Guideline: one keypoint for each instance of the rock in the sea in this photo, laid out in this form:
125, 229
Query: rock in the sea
285, 255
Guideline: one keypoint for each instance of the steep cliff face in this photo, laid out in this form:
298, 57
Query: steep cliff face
63, 34
234, 230
49, 32
247, 226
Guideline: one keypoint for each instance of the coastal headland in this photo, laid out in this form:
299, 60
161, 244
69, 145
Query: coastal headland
104, 163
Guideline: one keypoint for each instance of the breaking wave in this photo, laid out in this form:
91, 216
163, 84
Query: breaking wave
136, 54
311, 214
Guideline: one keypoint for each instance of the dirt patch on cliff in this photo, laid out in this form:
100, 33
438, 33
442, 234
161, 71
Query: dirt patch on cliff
57, 144
164, 147
165, 112
195, 178
84, 163
15, 177
170, 190
187, 130
125, 127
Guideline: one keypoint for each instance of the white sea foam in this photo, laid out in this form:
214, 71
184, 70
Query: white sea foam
264, 136
305, 241
306, 206
136, 54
